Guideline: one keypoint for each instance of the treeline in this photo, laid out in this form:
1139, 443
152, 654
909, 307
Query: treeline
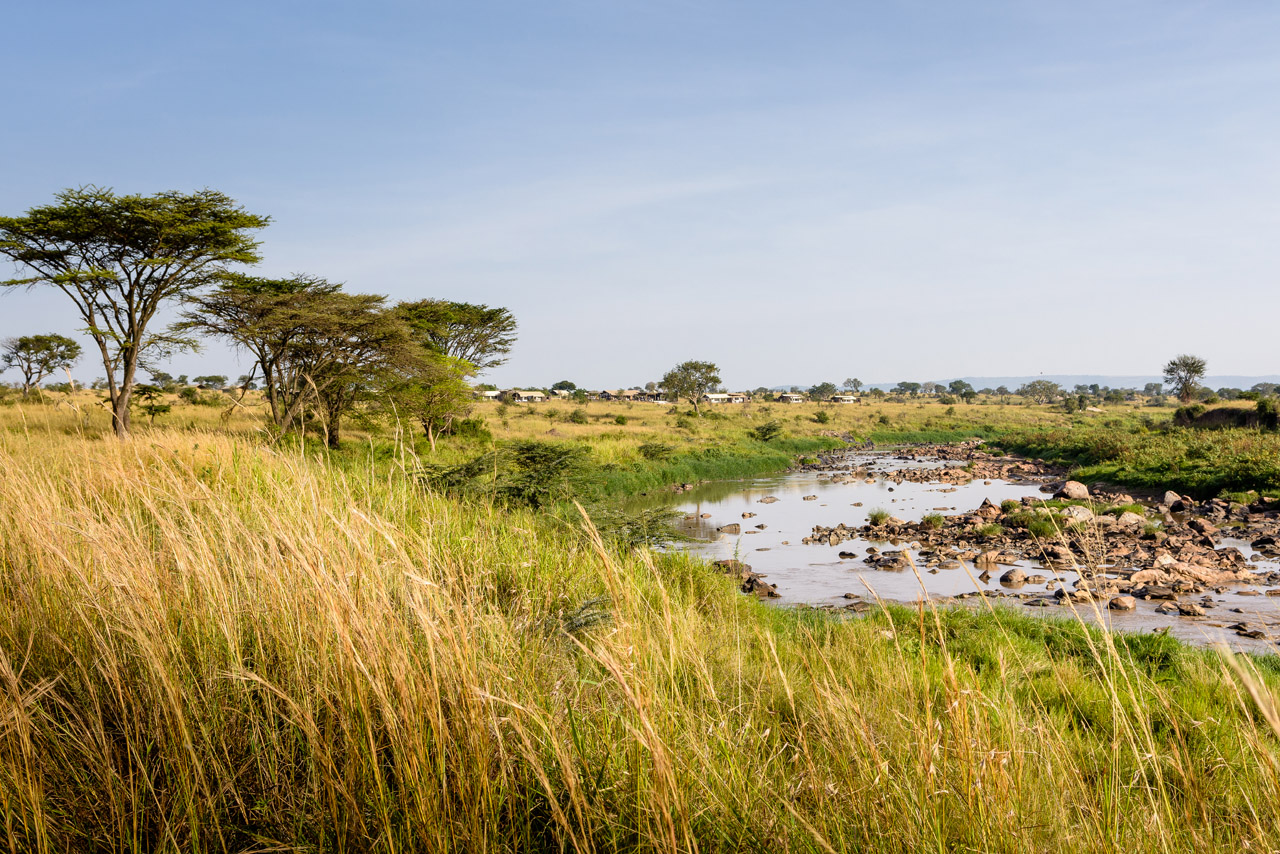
321, 353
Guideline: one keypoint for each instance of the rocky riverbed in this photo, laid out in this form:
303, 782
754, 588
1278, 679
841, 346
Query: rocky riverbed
957, 524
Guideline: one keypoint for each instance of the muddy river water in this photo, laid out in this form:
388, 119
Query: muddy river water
816, 575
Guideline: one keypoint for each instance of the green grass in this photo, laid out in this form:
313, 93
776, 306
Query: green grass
1200, 463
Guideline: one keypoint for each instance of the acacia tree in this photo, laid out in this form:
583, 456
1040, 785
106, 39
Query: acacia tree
1041, 391
38, 356
690, 381
266, 317
432, 388
1183, 374
853, 384
477, 334
120, 259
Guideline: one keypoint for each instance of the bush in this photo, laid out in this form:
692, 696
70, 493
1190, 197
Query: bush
766, 432
878, 516
822, 416
578, 416
991, 529
621, 421
933, 521
684, 423
1268, 414
1010, 505
656, 450
470, 428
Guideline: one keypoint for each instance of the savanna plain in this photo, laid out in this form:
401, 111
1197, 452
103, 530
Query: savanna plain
217, 639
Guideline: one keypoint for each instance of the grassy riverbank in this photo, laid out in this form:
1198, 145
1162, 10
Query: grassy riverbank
212, 646
1202, 463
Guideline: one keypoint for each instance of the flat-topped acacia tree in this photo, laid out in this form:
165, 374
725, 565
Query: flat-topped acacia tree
38, 356
120, 259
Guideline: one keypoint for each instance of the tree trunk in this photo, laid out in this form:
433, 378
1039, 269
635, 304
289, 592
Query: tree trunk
694, 401
431, 437
333, 426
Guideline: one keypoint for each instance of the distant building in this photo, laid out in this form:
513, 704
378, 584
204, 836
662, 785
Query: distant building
520, 396
722, 397
790, 397
492, 394
845, 398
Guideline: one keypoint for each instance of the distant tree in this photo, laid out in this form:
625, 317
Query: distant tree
876, 392
1153, 389
247, 382
1041, 391
477, 334
211, 380
38, 356
1183, 374
959, 387
822, 391
853, 384
1003, 391
651, 387
147, 398
121, 259
907, 388
1265, 389
690, 381
564, 385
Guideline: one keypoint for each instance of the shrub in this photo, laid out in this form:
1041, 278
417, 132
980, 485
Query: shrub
766, 432
656, 450
822, 416
684, 423
933, 521
578, 416
621, 420
884, 419
1268, 414
470, 428
878, 516
991, 529
1010, 505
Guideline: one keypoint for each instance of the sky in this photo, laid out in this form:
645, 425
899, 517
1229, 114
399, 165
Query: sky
797, 191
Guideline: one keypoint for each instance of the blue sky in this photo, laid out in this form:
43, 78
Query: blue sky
797, 191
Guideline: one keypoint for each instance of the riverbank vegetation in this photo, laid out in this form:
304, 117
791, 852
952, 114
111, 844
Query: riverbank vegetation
213, 644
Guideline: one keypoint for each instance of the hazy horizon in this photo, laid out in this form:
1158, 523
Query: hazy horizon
830, 188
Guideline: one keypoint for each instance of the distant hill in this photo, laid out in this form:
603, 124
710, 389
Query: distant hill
1073, 380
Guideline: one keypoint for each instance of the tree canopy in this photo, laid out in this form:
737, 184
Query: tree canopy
1040, 391
690, 381
477, 334
121, 258
38, 356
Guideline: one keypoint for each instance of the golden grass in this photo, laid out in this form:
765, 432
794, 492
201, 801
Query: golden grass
210, 645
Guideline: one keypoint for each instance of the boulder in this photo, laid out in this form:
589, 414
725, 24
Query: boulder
1073, 490
734, 528
1130, 522
1171, 498
769, 499
1014, 576
1076, 513
1123, 603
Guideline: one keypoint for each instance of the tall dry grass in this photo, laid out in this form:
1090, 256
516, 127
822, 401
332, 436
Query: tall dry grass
209, 645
